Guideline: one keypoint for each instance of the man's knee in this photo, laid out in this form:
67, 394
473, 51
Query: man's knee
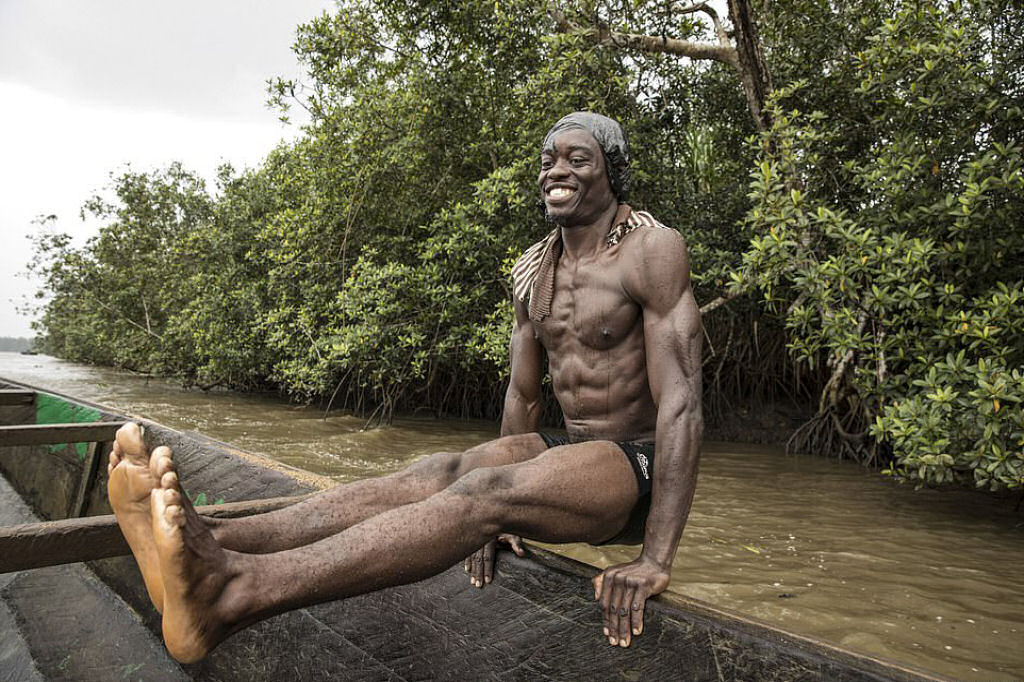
443, 467
486, 492
483, 482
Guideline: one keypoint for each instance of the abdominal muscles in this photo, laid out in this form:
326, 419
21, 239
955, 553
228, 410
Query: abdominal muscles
604, 394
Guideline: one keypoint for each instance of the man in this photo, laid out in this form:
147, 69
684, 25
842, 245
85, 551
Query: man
607, 296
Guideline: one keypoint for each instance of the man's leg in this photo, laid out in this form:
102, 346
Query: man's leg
574, 493
300, 524
336, 509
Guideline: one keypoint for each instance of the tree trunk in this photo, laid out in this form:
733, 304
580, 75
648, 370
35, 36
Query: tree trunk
754, 74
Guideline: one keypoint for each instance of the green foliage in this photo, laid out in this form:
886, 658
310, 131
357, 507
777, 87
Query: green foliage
366, 264
889, 237
112, 300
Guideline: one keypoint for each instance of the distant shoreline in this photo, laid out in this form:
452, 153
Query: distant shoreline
16, 344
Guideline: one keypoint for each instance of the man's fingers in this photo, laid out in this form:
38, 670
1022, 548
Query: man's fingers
488, 563
622, 592
612, 608
473, 560
516, 543
625, 614
637, 612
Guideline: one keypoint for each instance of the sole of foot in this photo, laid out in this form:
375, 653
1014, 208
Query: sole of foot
130, 481
193, 568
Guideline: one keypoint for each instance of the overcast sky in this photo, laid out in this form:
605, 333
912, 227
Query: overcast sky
87, 86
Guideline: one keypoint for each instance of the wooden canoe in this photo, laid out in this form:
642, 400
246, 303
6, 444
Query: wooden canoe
537, 621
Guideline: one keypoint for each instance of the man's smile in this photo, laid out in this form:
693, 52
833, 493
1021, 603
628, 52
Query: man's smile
560, 192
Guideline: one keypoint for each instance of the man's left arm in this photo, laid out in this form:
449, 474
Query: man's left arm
660, 281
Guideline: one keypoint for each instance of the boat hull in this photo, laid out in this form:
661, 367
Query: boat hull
537, 621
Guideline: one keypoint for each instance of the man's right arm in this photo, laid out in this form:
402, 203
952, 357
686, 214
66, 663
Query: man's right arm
521, 415
522, 400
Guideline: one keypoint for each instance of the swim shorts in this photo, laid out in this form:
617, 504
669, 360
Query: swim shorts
640, 456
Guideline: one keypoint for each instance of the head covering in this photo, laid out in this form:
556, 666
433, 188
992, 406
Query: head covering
610, 138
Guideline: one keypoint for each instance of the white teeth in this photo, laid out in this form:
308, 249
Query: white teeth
560, 192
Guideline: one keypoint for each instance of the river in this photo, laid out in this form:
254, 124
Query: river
820, 547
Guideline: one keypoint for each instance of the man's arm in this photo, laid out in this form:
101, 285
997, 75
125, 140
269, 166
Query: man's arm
521, 415
522, 400
658, 277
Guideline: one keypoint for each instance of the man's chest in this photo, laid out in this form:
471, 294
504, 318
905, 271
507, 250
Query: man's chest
589, 306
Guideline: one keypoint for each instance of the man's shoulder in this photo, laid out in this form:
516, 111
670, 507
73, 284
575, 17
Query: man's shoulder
651, 257
643, 232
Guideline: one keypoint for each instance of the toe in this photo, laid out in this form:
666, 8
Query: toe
127, 435
169, 481
161, 461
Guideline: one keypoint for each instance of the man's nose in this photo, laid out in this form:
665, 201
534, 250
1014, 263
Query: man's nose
558, 169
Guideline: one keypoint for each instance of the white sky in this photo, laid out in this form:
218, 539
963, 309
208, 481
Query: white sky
87, 86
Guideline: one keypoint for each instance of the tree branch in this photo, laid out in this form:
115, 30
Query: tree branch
829, 395
719, 302
683, 48
723, 37
119, 313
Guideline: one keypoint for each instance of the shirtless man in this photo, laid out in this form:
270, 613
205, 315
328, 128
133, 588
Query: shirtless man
607, 296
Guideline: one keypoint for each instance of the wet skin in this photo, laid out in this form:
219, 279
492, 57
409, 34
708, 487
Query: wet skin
623, 343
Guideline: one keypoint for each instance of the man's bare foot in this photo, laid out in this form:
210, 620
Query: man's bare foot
130, 480
198, 581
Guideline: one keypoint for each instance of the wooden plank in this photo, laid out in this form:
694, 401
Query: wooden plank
55, 434
11, 396
34, 545
94, 457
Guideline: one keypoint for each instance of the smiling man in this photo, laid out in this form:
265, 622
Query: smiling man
606, 296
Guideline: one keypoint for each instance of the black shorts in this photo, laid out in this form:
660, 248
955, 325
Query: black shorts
640, 456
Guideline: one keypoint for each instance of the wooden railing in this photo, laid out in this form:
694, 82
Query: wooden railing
80, 538
34, 545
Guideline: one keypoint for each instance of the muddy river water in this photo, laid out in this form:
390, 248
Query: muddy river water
820, 547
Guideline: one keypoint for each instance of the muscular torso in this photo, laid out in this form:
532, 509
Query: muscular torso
594, 338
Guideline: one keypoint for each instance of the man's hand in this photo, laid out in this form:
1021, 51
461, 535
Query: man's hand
623, 591
480, 565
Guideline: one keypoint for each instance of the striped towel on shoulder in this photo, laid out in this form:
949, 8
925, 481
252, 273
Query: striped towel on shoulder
533, 275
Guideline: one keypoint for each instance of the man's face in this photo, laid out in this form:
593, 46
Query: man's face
573, 181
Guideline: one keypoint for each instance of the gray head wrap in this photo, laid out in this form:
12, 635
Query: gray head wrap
610, 138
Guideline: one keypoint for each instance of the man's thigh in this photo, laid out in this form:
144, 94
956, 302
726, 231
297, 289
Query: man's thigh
583, 492
502, 451
448, 467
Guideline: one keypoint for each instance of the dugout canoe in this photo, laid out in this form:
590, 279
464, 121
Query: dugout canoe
73, 606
